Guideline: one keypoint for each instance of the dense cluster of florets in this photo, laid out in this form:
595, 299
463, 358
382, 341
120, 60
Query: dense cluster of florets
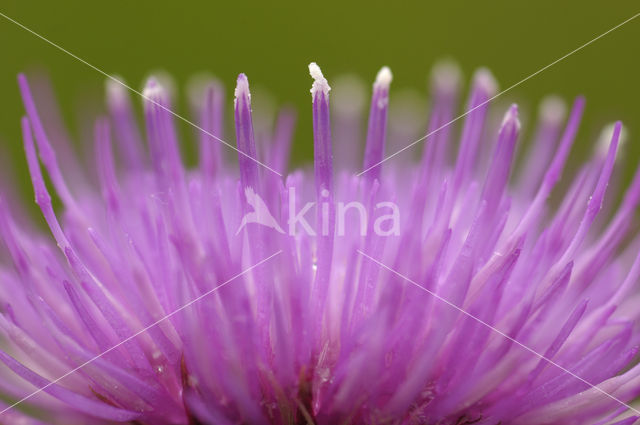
411, 292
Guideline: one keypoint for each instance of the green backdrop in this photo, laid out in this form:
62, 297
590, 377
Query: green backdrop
273, 43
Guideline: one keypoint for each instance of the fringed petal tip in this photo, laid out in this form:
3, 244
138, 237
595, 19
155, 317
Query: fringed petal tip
383, 78
154, 92
606, 136
553, 110
242, 89
116, 91
485, 81
511, 118
445, 78
320, 84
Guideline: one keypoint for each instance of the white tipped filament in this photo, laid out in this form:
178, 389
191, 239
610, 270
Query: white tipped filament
384, 77
319, 82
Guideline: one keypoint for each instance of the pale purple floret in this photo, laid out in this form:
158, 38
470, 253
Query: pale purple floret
505, 294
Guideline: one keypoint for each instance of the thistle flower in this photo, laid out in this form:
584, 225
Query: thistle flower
429, 291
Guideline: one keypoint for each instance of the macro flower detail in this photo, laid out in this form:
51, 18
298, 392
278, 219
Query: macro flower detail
463, 286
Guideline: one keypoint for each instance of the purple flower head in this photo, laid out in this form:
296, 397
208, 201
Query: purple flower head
459, 287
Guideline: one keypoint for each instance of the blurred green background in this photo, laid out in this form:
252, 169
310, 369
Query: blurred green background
272, 42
